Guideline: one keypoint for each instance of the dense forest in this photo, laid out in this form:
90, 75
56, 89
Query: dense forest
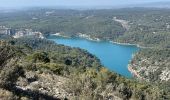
148, 26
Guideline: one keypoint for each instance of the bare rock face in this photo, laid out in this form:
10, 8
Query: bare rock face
45, 83
165, 75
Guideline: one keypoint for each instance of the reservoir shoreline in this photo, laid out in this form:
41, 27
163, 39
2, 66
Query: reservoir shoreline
88, 37
115, 57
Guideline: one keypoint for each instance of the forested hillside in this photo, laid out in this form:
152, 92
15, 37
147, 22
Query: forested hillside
147, 27
40, 69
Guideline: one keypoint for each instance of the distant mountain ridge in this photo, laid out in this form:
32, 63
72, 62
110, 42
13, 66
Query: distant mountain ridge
152, 5
162, 4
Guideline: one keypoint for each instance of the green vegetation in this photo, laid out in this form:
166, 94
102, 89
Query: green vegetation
148, 27
85, 77
153, 66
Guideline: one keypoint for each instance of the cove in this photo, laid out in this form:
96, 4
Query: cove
115, 57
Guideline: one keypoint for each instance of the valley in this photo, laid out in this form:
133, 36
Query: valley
80, 74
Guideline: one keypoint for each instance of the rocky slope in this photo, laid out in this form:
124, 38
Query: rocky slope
152, 65
40, 69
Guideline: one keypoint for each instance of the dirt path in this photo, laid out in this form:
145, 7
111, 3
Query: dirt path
123, 22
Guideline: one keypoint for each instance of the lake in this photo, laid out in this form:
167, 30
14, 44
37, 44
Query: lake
113, 56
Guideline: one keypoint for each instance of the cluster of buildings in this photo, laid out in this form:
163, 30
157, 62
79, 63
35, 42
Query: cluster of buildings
17, 33
27, 32
5, 30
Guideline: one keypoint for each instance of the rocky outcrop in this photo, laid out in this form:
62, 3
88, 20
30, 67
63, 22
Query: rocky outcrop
150, 68
165, 75
46, 83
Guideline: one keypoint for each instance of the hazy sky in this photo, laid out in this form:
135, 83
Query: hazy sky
28, 3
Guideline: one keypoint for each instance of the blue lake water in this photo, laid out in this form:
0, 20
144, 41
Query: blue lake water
113, 56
